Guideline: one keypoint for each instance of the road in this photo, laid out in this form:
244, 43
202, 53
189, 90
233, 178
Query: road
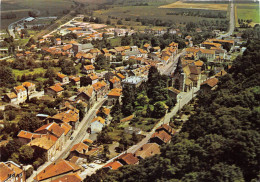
169, 68
186, 97
78, 135
231, 21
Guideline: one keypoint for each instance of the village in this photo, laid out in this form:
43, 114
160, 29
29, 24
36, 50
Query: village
68, 138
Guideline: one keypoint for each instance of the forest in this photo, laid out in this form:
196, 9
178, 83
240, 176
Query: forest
220, 141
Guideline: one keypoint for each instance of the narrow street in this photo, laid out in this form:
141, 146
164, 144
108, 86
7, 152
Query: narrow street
78, 135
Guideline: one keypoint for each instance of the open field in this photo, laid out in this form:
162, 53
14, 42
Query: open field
21, 8
150, 12
207, 6
248, 11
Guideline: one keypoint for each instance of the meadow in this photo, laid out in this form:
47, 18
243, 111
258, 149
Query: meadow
248, 11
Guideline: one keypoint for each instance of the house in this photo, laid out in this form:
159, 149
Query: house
208, 53
87, 94
54, 91
10, 97
97, 124
26, 137
114, 95
81, 47
115, 82
87, 141
56, 170
47, 144
67, 48
173, 92
90, 79
30, 87
160, 137
57, 41
147, 150
132, 81
101, 88
62, 78
128, 159
69, 177
21, 93
113, 165
220, 74
88, 69
186, 76
120, 76
70, 117
67, 130
79, 150
75, 80
147, 47
209, 85
11, 172
168, 129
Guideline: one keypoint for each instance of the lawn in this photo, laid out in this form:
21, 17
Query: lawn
115, 42
248, 11
17, 72
116, 134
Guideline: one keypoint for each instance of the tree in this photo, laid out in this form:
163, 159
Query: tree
7, 77
26, 154
159, 109
119, 22
29, 122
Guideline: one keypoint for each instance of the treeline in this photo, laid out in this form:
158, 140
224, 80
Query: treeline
199, 14
8, 16
220, 141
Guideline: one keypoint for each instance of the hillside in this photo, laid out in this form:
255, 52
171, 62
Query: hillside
220, 142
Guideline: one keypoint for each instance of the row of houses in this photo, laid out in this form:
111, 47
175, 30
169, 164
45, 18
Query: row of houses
162, 135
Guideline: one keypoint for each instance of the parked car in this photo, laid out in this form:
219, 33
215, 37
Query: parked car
92, 165
97, 161
84, 166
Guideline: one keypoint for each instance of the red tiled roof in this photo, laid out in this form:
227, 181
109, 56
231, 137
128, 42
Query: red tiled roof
53, 128
69, 178
56, 88
113, 165
80, 147
129, 158
89, 67
5, 171
212, 82
162, 135
148, 150
115, 92
57, 168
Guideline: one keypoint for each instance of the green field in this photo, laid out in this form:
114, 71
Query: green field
21, 8
150, 12
17, 72
248, 11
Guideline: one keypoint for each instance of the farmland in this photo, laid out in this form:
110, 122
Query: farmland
206, 6
248, 11
21, 8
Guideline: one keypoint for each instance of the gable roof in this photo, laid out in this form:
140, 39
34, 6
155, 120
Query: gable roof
80, 147
99, 85
69, 177
129, 158
199, 63
89, 67
60, 75
114, 79
167, 128
148, 150
212, 82
115, 92
45, 142
113, 165
99, 119
5, 171
56, 88
86, 90
11, 95
162, 135
28, 135
19, 89
57, 168
28, 84
53, 128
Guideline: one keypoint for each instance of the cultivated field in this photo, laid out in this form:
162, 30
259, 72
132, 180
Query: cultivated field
248, 11
21, 8
207, 6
